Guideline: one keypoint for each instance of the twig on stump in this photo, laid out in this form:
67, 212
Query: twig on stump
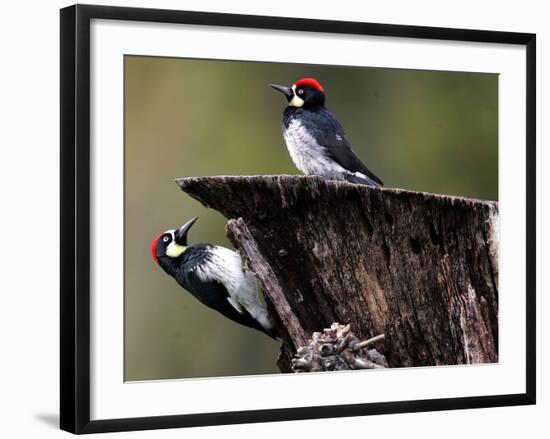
337, 348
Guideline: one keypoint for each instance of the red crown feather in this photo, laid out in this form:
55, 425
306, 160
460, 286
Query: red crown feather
154, 248
311, 83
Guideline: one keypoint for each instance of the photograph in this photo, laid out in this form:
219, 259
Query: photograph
291, 218
271, 218
275, 220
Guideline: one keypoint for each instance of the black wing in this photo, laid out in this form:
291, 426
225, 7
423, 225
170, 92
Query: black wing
214, 295
337, 146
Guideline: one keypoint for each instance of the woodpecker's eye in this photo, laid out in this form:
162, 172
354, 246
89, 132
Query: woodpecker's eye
166, 238
301, 91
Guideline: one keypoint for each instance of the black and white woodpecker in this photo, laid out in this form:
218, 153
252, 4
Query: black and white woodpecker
214, 275
315, 139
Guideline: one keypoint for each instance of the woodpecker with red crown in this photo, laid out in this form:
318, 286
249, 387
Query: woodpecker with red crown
315, 139
215, 276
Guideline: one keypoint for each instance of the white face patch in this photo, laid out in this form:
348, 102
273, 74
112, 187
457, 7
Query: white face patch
174, 250
295, 101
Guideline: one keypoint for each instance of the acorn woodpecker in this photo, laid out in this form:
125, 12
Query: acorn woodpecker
215, 276
315, 139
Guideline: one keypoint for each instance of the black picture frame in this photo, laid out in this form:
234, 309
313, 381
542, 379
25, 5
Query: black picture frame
75, 217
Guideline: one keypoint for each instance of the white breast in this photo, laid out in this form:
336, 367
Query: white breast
308, 156
225, 266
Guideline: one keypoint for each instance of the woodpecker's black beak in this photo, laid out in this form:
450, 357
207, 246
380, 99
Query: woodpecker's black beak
181, 234
284, 90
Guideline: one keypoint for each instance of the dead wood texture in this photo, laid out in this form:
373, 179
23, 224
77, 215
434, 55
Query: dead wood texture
420, 268
337, 348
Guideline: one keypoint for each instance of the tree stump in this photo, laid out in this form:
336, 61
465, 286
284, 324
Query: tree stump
420, 268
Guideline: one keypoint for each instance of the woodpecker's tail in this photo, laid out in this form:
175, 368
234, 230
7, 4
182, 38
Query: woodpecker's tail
359, 178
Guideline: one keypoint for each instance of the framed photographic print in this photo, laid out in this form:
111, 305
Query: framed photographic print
285, 218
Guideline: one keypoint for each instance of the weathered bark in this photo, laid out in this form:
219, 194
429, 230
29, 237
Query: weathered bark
420, 268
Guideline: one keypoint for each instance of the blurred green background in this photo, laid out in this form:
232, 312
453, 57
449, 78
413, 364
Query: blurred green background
419, 130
